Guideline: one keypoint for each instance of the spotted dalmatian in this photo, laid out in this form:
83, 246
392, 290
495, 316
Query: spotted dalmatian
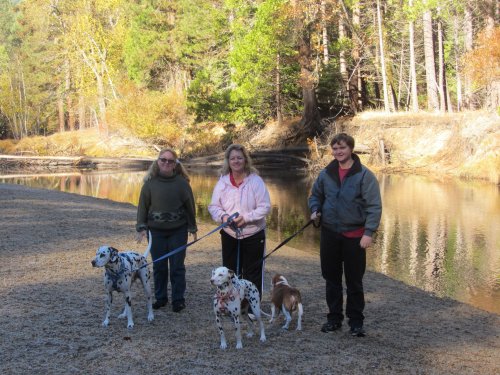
233, 297
121, 270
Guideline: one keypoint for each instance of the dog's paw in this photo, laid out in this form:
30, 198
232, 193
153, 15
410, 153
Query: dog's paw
223, 345
263, 338
130, 325
249, 334
105, 323
239, 345
151, 317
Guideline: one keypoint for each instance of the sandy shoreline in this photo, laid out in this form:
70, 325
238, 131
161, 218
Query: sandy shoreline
53, 304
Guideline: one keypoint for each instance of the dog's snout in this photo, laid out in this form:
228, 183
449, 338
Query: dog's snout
93, 262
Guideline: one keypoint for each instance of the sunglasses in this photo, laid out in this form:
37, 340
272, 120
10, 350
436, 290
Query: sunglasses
168, 161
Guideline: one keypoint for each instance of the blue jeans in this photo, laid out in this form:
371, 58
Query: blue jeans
164, 241
341, 255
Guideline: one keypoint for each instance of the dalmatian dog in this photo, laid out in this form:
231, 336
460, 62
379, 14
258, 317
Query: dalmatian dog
233, 297
121, 270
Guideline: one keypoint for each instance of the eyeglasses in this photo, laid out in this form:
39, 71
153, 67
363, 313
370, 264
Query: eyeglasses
168, 161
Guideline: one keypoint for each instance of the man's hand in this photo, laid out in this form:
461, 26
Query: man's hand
366, 241
316, 216
195, 236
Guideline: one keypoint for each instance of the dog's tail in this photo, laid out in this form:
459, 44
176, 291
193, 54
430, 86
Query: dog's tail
150, 241
262, 312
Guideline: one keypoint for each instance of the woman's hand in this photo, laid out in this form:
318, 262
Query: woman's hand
195, 236
239, 221
140, 235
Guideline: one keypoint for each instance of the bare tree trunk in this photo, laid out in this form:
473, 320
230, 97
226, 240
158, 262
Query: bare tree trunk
382, 58
60, 111
67, 93
413, 70
354, 82
458, 66
310, 123
311, 118
468, 31
102, 125
443, 105
430, 69
400, 78
81, 113
342, 61
326, 56
491, 14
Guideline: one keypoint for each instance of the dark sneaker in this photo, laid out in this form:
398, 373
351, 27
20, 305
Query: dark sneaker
159, 304
331, 327
178, 306
357, 331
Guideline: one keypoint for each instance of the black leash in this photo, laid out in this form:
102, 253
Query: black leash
286, 241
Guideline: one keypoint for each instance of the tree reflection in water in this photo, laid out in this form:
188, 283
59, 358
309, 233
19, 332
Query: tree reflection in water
442, 237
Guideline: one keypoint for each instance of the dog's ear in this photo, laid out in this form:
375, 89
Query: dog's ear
230, 273
113, 253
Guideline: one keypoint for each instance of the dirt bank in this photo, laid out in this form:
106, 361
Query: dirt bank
52, 308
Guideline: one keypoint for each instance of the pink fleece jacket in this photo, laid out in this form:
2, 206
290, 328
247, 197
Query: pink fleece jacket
250, 199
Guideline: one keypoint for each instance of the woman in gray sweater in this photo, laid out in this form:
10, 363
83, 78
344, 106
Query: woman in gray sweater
167, 209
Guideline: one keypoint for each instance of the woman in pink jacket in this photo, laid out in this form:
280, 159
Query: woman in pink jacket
240, 189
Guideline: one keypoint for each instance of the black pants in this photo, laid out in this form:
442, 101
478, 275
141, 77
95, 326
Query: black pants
340, 255
251, 253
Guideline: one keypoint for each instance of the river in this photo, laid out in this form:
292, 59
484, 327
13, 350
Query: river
440, 236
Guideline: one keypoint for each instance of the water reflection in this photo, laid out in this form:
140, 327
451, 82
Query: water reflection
442, 237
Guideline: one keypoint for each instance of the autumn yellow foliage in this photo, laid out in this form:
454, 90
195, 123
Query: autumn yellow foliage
482, 64
152, 116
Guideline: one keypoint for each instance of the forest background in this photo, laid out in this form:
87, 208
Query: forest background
196, 75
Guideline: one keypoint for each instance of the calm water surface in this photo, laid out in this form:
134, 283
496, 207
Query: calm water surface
440, 236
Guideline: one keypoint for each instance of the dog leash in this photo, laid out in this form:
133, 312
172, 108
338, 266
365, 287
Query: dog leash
180, 248
285, 241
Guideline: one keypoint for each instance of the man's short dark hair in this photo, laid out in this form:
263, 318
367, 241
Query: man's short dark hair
343, 137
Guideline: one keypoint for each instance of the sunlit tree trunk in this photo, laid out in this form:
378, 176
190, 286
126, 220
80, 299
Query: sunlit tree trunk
342, 60
468, 35
324, 33
60, 111
443, 105
458, 65
81, 113
354, 82
382, 59
413, 70
67, 93
430, 69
